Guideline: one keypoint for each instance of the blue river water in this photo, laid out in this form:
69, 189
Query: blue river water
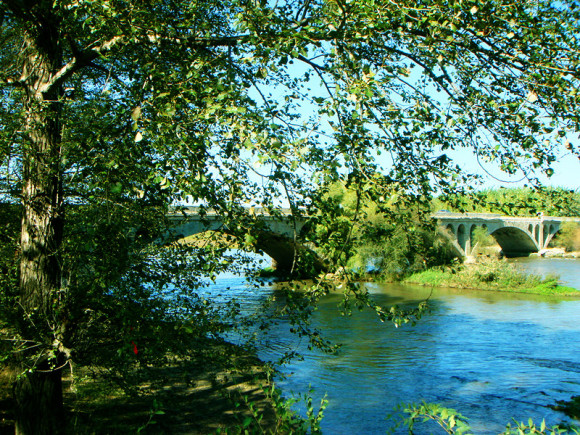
491, 356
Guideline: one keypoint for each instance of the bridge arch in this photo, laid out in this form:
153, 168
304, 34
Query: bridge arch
549, 234
470, 245
474, 227
515, 241
451, 230
274, 237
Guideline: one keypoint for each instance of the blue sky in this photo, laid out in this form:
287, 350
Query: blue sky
566, 172
566, 168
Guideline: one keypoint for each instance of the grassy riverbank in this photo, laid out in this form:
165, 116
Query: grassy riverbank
493, 275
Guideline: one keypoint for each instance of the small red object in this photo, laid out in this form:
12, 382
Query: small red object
135, 350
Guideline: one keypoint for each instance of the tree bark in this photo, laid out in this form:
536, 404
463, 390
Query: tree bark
38, 391
39, 404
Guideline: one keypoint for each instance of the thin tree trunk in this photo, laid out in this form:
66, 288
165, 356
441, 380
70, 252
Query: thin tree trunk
38, 391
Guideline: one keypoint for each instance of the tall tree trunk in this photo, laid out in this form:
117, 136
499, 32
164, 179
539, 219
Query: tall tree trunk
38, 392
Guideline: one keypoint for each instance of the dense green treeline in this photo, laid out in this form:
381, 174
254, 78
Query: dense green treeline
520, 201
388, 234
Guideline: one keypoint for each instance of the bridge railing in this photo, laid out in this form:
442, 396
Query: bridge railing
193, 210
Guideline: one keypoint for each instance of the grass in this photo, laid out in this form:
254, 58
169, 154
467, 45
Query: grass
490, 274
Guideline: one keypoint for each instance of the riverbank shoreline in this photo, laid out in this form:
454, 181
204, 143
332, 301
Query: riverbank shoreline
484, 273
491, 275
555, 253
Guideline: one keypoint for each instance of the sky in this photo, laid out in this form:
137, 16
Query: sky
566, 172
566, 168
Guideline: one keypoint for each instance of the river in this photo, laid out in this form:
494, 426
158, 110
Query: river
490, 356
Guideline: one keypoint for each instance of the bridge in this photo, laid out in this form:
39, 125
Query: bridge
276, 235
517, 236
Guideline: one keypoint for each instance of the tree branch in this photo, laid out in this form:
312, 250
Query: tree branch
81, 60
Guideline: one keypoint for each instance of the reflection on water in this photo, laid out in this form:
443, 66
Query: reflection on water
491, 356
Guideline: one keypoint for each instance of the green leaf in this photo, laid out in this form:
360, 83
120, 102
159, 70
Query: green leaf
136, 113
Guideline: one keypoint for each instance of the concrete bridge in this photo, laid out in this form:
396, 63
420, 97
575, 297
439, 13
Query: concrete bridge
517, 236
276, 235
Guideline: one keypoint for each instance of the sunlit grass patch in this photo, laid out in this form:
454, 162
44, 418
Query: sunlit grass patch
491, 275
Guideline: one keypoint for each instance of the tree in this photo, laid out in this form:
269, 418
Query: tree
112, 110
388, 235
